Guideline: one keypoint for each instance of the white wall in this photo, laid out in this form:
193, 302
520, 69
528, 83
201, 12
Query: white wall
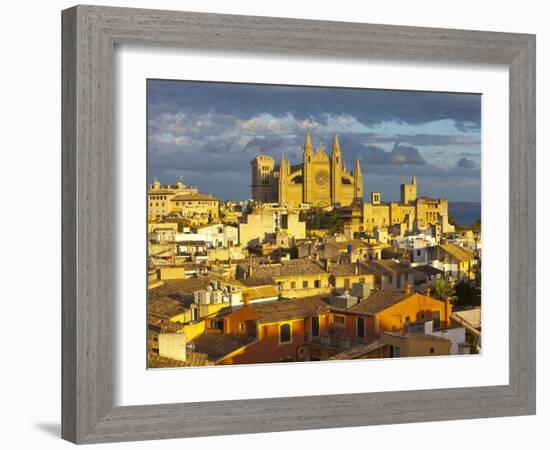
30, 387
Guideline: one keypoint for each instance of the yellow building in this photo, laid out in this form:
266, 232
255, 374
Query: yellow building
159, 196
402, 345
265, 222
295, 278
198, 209
424, 211
457, 261
320, 180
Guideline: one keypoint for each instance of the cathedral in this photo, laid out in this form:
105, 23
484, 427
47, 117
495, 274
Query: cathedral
320, 180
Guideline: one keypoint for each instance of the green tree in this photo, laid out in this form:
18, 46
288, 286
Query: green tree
477, 225
467, 295
443, 289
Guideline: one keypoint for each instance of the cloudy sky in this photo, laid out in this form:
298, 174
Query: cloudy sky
207, 133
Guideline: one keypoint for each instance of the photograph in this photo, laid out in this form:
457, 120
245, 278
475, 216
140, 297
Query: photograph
309, 223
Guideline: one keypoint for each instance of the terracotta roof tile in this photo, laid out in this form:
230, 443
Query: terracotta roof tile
457, 252
289, 309
216, 346
379, 301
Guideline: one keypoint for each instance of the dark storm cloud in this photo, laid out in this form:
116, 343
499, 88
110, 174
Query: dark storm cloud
264, 145
368, 106
422, 139
399, 155
465, 163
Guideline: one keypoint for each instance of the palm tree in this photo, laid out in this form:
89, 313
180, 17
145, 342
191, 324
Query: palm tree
443, 290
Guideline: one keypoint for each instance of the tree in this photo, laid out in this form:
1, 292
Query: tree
467, 295
451, 220
477, 225
443, 289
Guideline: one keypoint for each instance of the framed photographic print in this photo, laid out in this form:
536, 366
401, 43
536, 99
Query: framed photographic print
246, 202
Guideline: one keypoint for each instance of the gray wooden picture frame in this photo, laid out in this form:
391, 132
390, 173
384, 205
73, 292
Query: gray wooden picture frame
90, 34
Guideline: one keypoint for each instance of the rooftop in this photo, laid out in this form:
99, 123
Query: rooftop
154, 361
428, 270
303, 266
379, 301
173, 297
471, 316
216, 346
387, 267
360, 351
288, 309
415, 336
192, 197
345, 269
257, 292
457, 252
343, 245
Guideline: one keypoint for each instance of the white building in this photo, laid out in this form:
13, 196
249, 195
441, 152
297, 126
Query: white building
457, 336
220, 235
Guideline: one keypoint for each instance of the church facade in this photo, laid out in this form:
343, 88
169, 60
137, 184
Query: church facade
320, 180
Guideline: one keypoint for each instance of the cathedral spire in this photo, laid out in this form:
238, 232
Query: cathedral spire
283, 168
358, 181
336, 144
308, 146
357, 171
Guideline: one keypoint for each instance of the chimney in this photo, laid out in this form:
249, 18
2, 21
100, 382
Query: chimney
407, 289
428, 292
250, 271
327, 265
356, 267
246, 300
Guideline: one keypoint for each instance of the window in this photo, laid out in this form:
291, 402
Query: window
304, 284
338, 320
396, 351
317, 283
406, 277
390, 279
293, 285
432, 350
361, 327
398, 281
285, 333
216, 325
315, 326
194, 314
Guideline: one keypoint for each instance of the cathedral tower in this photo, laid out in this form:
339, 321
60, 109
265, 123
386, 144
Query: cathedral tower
335, 171
308, 170
283, 179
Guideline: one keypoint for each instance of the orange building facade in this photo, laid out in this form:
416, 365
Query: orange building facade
281, 329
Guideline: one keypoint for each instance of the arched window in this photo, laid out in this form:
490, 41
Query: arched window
285, 333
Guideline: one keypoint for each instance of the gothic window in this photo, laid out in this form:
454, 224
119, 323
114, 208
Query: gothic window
285, 333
